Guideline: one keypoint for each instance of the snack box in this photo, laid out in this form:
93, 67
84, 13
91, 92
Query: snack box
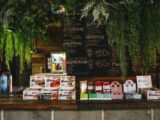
99, 96
98, 87
107, 96
47, 94
52, 82
67, 95
151, 93
37, 82
117, 96
31, 94
67, 83
106, 87
83, 96
133, 96
83, 87
92, 96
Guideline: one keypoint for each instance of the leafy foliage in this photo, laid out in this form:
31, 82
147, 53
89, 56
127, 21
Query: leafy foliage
20, 22
99, 10
132, 24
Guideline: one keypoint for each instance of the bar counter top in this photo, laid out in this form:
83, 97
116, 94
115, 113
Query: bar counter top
16, 102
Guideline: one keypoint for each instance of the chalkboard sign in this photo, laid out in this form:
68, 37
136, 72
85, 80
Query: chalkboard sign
74, 44
87, 49
98, 51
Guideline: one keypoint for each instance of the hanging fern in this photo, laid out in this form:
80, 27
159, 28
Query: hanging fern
115, 31
19, 26
99, 9
9, 48
133, 29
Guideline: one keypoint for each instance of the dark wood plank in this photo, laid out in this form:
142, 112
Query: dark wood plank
118, 104
16, 102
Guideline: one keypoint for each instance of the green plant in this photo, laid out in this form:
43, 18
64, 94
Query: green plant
99, 10
20, 23
132, 24
115, 28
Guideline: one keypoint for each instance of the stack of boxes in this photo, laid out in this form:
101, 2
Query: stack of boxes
50, 87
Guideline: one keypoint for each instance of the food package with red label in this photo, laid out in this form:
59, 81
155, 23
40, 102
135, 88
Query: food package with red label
116, 89
52, 82
67, 95
47, 94
67, 83
106, 87
31, 94
98, 87
37, 82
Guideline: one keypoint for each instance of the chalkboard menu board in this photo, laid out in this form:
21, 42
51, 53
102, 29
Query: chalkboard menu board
88, 52
98, 51
74, 44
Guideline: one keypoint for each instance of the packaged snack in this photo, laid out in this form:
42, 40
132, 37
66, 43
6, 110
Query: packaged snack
83, 96
31, 94
47, 94
52, 82
106, 87
37, 82
91, 87
67, 95
67, 83
83, 86
98, 87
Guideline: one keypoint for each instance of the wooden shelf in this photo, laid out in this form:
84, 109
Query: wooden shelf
16, 102
118, 104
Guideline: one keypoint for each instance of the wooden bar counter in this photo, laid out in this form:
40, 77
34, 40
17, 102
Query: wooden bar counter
16, 102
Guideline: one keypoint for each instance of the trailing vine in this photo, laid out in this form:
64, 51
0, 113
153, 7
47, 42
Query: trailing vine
134, 27
116, 37
132, 24
19, 26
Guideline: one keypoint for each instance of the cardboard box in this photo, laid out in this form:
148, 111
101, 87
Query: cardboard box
98, 87
67, 95
106, 87
92, 96
47, 94
31, 94
117, 96
107, 96
37, 82
67, 83
52, 82
133, 96
151, 93
99, 96
83, 96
